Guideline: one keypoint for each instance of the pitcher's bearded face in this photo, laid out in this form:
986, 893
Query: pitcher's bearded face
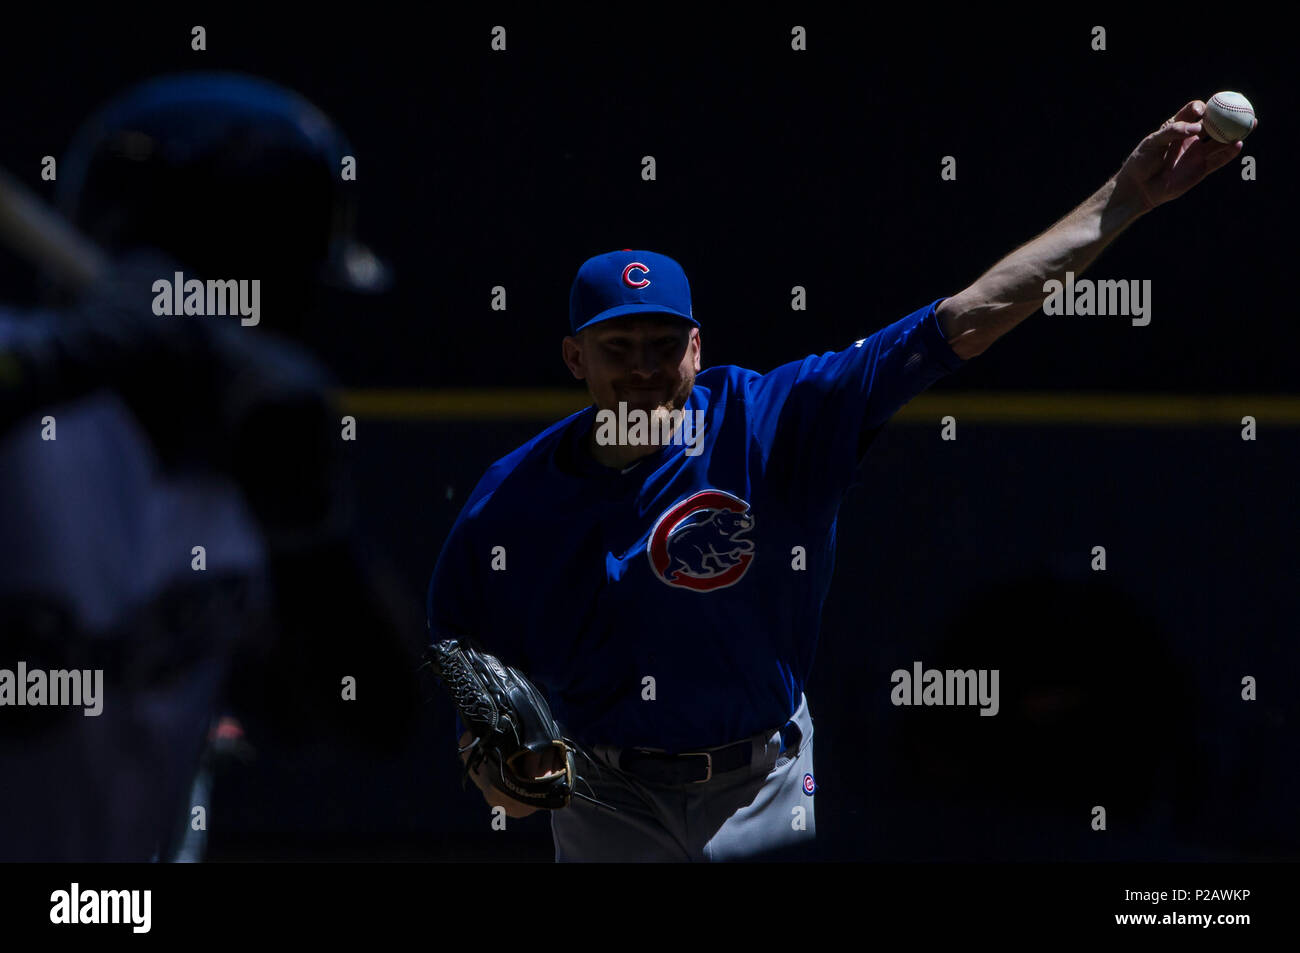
646, 361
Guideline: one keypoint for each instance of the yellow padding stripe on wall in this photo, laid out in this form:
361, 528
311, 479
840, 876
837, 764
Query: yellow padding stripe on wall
1011, 407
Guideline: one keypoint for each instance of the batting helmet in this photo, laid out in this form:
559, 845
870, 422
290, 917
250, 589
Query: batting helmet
231, 175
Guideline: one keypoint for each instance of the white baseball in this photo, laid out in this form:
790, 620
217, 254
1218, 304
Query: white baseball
1228, 117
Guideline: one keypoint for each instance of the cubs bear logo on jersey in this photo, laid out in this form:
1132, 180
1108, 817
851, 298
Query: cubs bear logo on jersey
699, 543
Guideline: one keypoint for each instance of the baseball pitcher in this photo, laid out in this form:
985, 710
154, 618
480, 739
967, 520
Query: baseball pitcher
657, 563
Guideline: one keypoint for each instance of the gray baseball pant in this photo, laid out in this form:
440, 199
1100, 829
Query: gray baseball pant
738, 815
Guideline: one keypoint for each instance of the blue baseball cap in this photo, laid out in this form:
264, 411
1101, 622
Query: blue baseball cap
627, 282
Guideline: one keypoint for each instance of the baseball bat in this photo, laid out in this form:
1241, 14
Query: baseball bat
43, 237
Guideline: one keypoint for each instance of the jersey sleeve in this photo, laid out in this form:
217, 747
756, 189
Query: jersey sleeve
450, 605
816, 416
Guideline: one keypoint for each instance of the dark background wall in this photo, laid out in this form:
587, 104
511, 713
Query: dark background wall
821, 169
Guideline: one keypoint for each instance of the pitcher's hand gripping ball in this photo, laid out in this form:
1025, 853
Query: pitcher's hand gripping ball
510, 721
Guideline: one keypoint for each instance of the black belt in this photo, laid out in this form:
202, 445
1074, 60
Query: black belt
696, 767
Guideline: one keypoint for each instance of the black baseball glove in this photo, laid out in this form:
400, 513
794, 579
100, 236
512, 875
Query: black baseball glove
509, 720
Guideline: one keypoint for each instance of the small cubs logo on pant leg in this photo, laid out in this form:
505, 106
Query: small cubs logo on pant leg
698, 543
809, 785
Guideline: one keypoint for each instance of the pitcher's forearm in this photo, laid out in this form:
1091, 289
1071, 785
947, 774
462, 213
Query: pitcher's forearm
1014, 288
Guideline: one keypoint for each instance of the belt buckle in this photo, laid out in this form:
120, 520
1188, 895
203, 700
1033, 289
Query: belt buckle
708, 761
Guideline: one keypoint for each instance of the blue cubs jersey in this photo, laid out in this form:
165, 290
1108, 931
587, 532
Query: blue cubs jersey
676, 604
